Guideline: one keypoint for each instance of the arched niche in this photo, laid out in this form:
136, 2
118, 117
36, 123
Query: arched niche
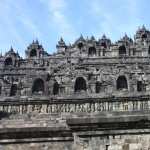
149, 50
98, 87
103, 44
13, 90
122, 83
0, 89
38, 86
80, 84
122, 50
33, 53
80, 45
8, 61
144, 36
55, 88
140, 86
92, 51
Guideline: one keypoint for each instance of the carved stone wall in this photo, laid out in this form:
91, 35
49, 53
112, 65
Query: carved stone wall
126, 142
95, 61
90, 95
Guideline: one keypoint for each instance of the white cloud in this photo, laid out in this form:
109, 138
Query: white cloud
58, 18
12, 12
16, 25
31, 26
27, 21
117, 17
57, 5
7, 22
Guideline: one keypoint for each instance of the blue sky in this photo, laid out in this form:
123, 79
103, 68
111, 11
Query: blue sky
22, 21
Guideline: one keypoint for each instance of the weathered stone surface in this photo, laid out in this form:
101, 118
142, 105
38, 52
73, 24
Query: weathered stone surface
90, 95
131, 142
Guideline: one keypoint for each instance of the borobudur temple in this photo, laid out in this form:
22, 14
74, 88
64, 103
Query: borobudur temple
89, 95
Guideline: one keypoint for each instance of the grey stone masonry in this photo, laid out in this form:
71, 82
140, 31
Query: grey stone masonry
91, 67
89, 95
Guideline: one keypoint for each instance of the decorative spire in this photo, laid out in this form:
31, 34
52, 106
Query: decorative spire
37, 42
125, 34
1, 55
143, 27
92, 38
61, 43
11, 49
104, 36
125, 37
70, 45
61, 40
81, 38
33, 42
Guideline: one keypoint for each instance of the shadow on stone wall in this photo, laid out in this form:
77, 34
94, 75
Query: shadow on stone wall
4, 115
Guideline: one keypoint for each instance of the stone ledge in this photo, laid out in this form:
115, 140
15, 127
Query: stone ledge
35, 140
34, 132
109, 119
109, 123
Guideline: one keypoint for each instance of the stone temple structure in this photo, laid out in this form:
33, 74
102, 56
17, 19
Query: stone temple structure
90, 95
